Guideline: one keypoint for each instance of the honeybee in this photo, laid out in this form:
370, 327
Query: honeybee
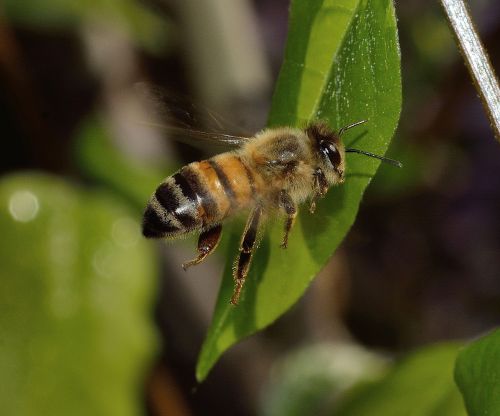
270, 173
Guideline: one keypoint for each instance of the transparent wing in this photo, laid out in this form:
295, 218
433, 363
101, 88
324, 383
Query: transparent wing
183, 121
190, 136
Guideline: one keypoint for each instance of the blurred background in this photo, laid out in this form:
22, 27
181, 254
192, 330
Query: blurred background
96, 319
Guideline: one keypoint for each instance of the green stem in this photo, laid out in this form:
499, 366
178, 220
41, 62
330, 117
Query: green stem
476, 59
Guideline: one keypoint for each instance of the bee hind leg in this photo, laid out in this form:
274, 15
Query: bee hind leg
247, 248
290, 208
207, 242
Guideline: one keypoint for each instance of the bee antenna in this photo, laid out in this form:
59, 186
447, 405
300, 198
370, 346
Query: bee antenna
393, 162
350, 126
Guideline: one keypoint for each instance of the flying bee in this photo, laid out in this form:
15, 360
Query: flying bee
270, 173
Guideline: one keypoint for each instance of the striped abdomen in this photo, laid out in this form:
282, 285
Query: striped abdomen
198, 196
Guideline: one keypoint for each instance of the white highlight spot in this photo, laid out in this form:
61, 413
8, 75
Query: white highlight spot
23, 206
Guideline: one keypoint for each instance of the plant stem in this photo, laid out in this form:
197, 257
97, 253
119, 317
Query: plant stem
476, 59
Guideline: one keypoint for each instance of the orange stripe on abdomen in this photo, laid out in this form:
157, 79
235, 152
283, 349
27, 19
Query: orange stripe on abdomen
226, 181
238, 178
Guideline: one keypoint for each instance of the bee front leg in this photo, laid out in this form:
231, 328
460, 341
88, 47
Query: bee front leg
247, 248
290, 208
207, 242
320, 188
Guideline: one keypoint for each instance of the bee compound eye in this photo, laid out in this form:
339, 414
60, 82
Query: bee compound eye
331, 151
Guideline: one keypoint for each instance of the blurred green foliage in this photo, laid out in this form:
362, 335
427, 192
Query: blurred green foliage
310, 380
347, 380
76, 289
478, 375
342, 64
140, 24
99, 159
419, 385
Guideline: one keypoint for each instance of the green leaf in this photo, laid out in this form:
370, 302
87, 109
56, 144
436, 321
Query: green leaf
341, 65
477, 373
420, 385
76, 291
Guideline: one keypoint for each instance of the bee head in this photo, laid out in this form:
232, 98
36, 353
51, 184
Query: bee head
329, 150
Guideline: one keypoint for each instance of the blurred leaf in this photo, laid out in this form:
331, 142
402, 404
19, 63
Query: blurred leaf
142, 25
76, 291
477, 373
420, 385
100, 160
307, 381
341, 65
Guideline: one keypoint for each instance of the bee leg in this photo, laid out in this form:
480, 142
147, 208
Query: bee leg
247, 248
290, 208
320, 188
207, 242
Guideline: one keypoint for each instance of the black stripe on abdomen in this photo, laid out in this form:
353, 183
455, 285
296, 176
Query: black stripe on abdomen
202, 194
153, 226
165, 195
179, 200
184, 186
224, 180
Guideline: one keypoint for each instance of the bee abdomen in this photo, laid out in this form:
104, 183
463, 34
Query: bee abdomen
235, 182
173, 209
198, 196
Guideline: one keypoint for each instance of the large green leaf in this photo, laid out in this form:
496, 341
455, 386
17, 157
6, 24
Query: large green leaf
76, 293
477, 373
341, 65
420, 385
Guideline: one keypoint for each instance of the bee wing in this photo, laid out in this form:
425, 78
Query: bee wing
181, 119
192, 137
